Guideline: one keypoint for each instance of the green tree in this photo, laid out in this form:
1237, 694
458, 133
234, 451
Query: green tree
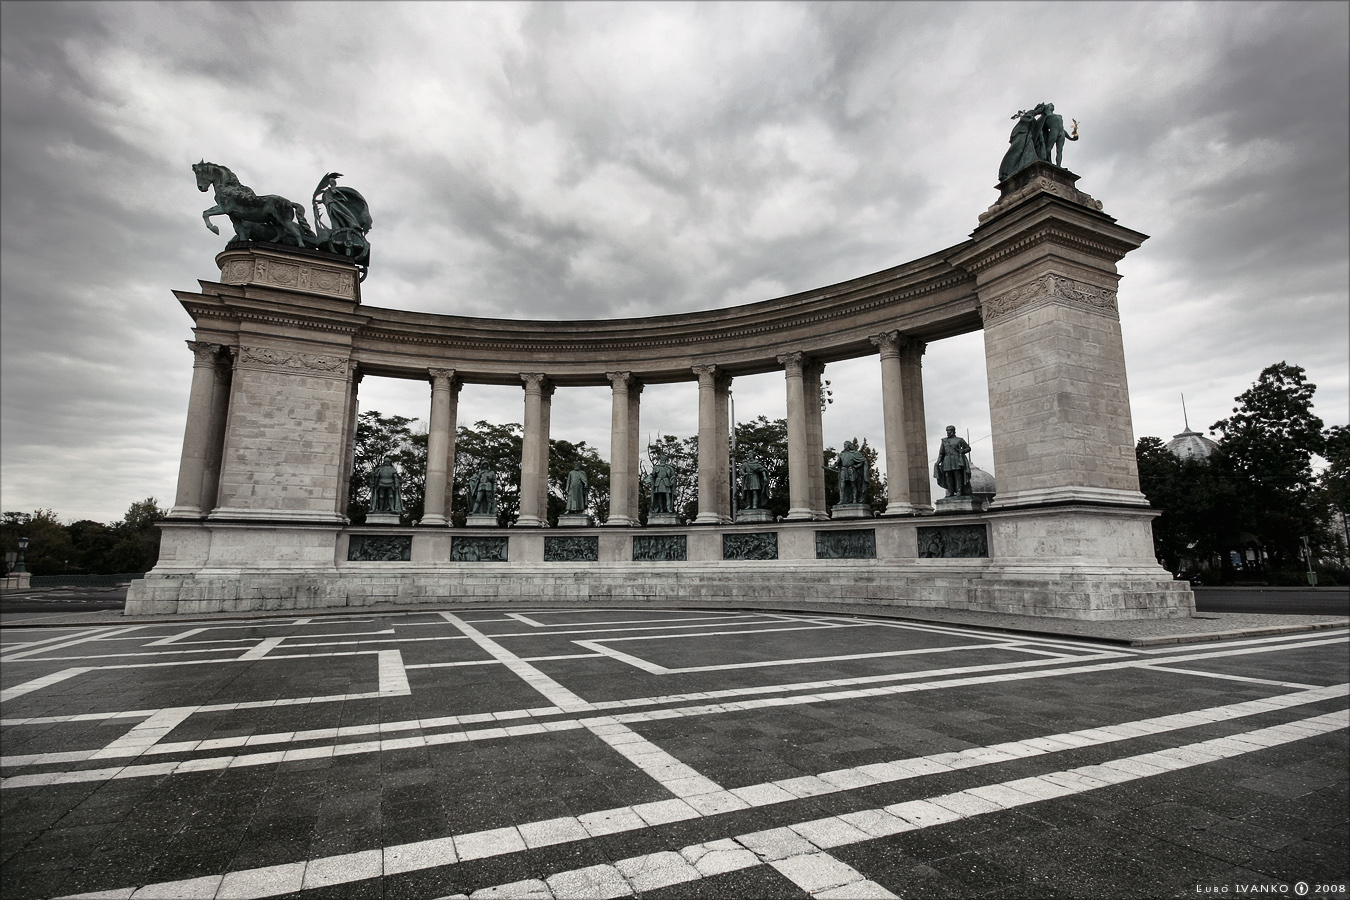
92, 543
49, 547
1334, 482
682, 454
396, 437
767, 441
560, 457
1268, 444
136, 548
499, 445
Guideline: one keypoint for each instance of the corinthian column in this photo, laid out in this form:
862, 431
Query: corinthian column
545, 426
196, 435
440, 445
799, 475
707, 446
722, 448
215, 437
893, 417
812, 372
916, 424
619, 439
533, 462
634, 440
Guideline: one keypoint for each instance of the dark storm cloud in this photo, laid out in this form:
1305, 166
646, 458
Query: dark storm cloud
572, 161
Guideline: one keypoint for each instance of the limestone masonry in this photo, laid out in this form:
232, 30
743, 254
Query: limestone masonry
282, 343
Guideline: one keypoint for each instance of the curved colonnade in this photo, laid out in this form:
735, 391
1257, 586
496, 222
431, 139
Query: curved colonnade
282, 342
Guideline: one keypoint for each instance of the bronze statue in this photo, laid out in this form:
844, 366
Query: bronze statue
577, 485
386, 489
754, 484
269, 217
662, 481
350, 218
1054, 135
952, 469
482, 491
1026, 144
853, 471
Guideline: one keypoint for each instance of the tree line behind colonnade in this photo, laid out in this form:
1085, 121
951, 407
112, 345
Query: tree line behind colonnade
1243, 513
84, 547
404, 442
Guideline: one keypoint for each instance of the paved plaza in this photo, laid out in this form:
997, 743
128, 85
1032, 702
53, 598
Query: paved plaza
665, 753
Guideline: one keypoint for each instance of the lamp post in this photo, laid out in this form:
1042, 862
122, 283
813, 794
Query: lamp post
18, 564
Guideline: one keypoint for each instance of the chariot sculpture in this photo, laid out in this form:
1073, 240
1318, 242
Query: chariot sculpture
273, 218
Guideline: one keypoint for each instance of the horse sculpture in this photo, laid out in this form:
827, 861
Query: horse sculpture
266, 218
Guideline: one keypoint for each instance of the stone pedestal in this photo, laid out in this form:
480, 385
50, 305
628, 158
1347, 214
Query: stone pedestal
481, 520
850, 511
959, 504
382, 518
575, 520
662, 519
753, 515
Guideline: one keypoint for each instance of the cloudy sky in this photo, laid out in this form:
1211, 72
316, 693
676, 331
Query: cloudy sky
592, 160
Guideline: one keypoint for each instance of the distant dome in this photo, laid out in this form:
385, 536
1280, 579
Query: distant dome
982, 483
1191, 445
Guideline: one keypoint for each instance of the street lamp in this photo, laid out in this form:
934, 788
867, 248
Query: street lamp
18, 564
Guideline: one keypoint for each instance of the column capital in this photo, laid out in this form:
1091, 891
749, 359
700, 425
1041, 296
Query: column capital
534, 383
225, 363
621, 381
888, 342
706, 374
204, 353
911, 347
443, 379
793, 362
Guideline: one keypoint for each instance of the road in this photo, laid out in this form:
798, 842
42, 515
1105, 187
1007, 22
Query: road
1320, 602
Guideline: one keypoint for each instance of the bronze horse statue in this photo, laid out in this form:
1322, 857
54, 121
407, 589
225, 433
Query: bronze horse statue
266, 218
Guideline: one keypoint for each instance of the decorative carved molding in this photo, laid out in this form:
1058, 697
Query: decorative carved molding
911, 348
953, 542
792, 363
660, 548
296, 276
1039, 185
888, 342
757, 545
1050, 288
292, 363
571, 549
534, 383
478, 549
706, 375
859, 543
379, 548
621, 382
204, 354
444, 380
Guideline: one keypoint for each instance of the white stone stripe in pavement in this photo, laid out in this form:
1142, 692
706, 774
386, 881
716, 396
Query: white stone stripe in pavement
99, 635
1224, 676
772, 846
681, 780
38, 684
558, 695
264, 647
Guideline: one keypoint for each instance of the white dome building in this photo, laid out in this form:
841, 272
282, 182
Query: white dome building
1191, 445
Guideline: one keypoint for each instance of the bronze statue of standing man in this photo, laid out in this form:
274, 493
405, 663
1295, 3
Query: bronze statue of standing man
952, 469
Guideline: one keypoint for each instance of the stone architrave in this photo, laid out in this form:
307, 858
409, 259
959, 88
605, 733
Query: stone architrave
619, 456
440, 446
799, 474
534, 457
893, 419
197, 433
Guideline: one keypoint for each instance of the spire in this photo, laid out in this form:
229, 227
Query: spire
1184, 418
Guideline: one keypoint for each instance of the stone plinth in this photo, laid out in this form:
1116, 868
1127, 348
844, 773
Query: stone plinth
481, 520
753, 515
660, 519
575, 520
850, 511
959, 504
383, 518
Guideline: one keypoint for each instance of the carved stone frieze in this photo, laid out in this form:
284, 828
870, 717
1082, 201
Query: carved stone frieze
292, 363
478, 549
1039, 185
757, 545
660, 548
297, 276
953, 542
571, 549
1050, 288
859, 543
379, 548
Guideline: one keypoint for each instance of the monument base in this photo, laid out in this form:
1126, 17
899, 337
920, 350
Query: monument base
959, 504
383, 518
575, 520
481, 520
655, 519
850, 511
753, 515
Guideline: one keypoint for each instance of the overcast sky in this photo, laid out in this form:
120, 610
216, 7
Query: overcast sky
593, 160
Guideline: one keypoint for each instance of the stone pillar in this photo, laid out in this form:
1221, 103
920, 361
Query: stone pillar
440, 447
354, 376
215, 439
893, 418
196, 435
545, 429
634, 450
812, 372
722, 447
533, 459
799, 475
916, 423
1044, 261
619, 456
707, 446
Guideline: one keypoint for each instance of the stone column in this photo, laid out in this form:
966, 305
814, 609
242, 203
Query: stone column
799, 475
707, 446
619, 457
915, 423
440, 461
815, 437
545, 429
634, 450
354, 376
215, 439
196, 435
722, 447
533, 462
893, 418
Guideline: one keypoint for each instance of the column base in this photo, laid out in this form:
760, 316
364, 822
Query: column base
797, 515
434, 520
612, 520
526, 522
707, 519
1070, 494
903, 508
185, 512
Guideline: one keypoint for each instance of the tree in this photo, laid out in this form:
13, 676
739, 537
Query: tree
379, 436
682, 454
560, 457
1268, 444
499, 445
1197, 501
136, 548
1334, 482
767, 441
876, 482
49, 547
